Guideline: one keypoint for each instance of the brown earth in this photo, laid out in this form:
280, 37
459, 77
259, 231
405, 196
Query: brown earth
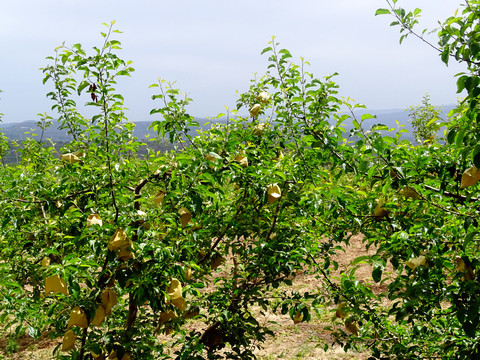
291, 341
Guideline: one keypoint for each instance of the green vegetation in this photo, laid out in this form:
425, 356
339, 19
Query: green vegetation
110, 251
425, 119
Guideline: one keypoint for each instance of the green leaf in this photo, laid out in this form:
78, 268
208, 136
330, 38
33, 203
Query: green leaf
377, 273
368, 116
459, 137
451, 136
382, 12
82, 86
461, 83
379, 127
267, 49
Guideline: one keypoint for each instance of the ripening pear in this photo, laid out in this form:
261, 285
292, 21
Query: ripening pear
108, 298
159, 198
185, 216
341, 311
379, 210
274, 193
180, 303
78, 318
188, 274
56, 285
166, 316
94, 219
210, 157
174, 289
258, 129
242, 160
351, 326
118, 240
462, 267
263, 97
470, 177
99, 317
70, 158
409, 193
298, 318
68, 342
255, 110
216, 261
46, 261
125, 252
416, 262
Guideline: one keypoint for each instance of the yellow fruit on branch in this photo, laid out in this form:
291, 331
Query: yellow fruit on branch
71, 158
351, 326
188, 273
56, 285
68, 342
216, 261
159, 199
118, 240
185, 216
94, 219
242, 160
341, 311
274, 193
78, 318
174, 292
470, 177
108, 299
166, 316
180, 303
298, 318
380, 211
462, 267
409, 193
254, 110
99, 317
125, 252
416, 262
174, 289
263, 97
258, 129
46, 261
211, 157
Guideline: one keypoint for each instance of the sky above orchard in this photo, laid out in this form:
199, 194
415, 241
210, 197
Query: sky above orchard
211, 48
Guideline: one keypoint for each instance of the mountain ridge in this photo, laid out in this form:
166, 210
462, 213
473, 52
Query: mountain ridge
21, 130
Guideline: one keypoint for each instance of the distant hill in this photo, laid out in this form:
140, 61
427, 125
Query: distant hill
22, 130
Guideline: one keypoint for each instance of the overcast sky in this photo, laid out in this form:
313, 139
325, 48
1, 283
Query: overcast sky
212, 49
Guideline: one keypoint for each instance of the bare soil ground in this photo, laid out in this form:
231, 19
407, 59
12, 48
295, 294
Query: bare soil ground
300, 341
